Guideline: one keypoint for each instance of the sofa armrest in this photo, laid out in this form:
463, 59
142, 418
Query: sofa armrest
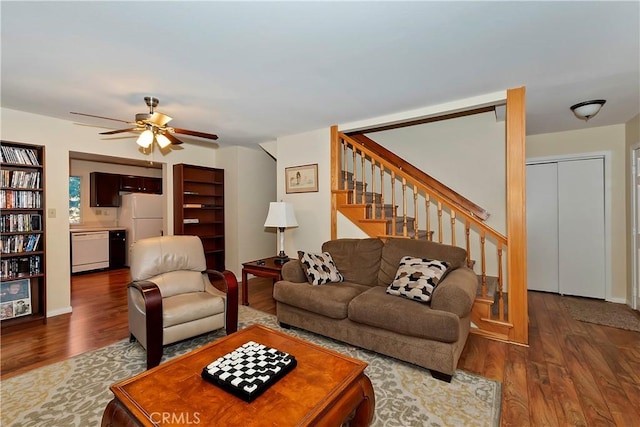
456, 293
292, 272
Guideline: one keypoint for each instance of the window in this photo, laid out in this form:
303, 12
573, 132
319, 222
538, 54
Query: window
74, 200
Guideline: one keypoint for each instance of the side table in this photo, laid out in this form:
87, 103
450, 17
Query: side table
268, 269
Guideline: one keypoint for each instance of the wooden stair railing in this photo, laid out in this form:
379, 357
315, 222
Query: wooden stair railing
436, 186
386, 201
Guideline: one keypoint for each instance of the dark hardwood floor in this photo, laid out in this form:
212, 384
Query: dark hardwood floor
573, 373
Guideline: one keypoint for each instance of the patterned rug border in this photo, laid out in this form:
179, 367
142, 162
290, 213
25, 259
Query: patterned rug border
410, 396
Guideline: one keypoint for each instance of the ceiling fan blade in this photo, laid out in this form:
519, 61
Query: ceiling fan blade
100, 117
173, 139
113, 132
159, 119
195, 133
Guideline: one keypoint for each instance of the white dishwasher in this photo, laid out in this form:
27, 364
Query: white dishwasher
89, 251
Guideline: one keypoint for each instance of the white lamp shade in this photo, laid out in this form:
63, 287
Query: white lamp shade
145, 139
163, 141
281, 215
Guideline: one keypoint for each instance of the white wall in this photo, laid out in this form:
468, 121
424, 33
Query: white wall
313, 210
247, 197
102, 217
60, 137
605, 138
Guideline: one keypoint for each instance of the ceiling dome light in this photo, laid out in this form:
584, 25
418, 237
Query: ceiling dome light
162, 140
588, 109
145, 139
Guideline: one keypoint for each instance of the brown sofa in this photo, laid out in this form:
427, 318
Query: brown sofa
360, 312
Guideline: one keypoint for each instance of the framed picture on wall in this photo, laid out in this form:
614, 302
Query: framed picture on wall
301, 179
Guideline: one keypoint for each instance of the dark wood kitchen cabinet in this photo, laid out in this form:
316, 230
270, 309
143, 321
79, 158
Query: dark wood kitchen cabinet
106, 187
105, 190
141, 184
117, 248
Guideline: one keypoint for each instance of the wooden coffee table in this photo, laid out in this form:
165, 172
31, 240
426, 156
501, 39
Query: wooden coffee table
325, 388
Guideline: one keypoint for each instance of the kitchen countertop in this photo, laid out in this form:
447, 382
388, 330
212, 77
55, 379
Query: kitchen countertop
95, 228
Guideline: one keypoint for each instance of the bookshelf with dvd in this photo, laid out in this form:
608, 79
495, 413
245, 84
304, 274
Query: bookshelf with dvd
198, 209
22, 235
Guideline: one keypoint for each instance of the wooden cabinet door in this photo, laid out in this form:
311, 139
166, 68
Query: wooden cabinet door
130, 183
152, 185
104, 190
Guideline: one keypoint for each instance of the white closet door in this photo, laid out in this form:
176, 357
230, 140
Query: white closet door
542, 227
581, 228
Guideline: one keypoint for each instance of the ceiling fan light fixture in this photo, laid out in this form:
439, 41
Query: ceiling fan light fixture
162, 140
145, 139
588, 109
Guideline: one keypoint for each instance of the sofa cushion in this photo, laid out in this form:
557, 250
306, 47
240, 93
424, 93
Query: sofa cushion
416, 278
329, 300
378, 309
319, 268
358, 260
396, 248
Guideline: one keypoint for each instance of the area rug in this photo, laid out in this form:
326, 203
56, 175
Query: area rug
603, 313
76, 391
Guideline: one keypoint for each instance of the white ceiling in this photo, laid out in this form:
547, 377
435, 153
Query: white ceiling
253, 71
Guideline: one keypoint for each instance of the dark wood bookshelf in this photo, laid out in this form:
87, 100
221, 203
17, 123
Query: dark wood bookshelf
22, 263
198, 209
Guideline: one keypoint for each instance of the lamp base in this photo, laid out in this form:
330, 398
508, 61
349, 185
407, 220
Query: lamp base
281, 258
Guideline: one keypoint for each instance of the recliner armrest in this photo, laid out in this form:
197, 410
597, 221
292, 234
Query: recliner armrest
153, 318
231, 288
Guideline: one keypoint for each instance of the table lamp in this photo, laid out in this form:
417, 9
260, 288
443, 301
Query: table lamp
281, 215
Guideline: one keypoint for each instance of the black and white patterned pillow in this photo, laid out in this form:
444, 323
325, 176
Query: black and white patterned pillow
319, 268
417, 278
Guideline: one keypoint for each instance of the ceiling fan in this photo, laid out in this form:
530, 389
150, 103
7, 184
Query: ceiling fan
153, 126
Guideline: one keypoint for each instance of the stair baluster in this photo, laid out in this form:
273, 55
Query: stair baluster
393, 202
373, 189
404, 207
383, 213
439, 221
468, 246
427, 210
364, 185
453, 227
415, 213
354, 179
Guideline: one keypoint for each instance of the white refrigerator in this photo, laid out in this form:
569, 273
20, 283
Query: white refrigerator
142, 215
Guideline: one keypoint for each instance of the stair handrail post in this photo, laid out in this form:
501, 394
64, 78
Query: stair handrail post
336, 143
516, 215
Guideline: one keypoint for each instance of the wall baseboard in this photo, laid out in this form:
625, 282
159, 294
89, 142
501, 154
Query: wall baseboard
53, 313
